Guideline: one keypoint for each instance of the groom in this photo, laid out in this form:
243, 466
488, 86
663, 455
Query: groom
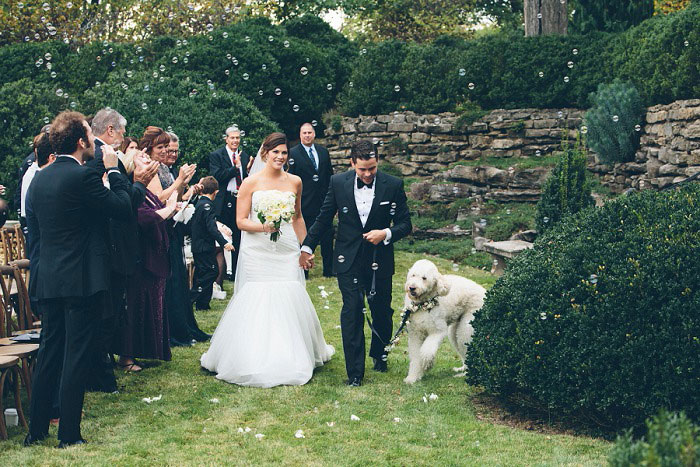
372, 215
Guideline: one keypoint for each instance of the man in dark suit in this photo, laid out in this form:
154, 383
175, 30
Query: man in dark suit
21, 170
229, 166
70, 206
372, 216
109, 126
312, 163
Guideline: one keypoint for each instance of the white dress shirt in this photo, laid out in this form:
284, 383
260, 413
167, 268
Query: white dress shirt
306, 148
232, 186
26, 181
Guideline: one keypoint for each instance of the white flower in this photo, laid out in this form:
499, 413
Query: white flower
433, 396
148, 400
321, 287
299, 434
324, 294
259, 435
214, 400
240, 430
247, 429
326, 307
425, 399
397, 420
330, 423
354, 418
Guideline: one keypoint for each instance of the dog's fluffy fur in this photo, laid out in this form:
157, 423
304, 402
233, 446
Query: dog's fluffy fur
458, 299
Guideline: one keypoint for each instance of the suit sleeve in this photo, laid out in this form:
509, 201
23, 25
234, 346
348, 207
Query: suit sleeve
293, 168
402, 219
324, 220
137, 193
115, 202
210, 219
222, 173
97, 163
329, 169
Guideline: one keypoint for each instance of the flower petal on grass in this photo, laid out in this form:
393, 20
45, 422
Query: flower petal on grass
299, 434
354, 418
214, 400
259, 435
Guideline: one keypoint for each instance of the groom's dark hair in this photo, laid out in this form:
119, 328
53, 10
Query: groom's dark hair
209, 185
362, 149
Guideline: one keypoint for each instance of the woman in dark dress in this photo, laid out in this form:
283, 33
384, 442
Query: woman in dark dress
146, 331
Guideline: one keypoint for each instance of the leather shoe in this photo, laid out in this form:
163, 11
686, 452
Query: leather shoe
30, 440
380, 365
355, 382
67, 444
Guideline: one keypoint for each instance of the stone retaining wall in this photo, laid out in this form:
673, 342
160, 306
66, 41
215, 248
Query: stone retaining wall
426, 145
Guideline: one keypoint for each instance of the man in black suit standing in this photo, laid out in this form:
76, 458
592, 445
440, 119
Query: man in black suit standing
312, 163
109, 127
70, 206
229, 166
372, 216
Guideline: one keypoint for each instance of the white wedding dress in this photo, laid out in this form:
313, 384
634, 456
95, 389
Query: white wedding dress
269, 334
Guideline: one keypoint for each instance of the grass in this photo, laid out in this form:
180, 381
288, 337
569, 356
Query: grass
185, 427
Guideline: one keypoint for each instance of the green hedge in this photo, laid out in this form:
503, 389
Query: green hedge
600, 319
505, 69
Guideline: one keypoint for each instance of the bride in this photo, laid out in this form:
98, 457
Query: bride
269, 334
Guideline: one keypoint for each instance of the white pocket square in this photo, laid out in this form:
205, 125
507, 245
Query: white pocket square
383, 203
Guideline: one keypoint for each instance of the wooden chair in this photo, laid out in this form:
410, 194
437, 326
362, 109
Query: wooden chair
13, 244
7, 283
9, 366
26, 319
25, 353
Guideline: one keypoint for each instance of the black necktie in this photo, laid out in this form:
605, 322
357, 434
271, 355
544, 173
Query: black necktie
313, 159
361, 184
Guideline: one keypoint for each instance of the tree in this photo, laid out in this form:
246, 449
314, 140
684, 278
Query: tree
545, 17
669, 6
609, 15
414, 20
506, 13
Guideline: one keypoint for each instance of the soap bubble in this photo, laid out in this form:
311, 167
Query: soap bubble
615, 118
462, 72
174, 60
227, 72
584, 129
593, 279
144, 106
686, 43
304, 71
341, 258
286, 44
278, 91
570, 64
539, 15
260, 92
129, 74
314, 123
314, 178
224, 35
59, 92
471, 86
161, 68
397, 88
47, 56
247, 38
637, 128
46, 7
575, 51
270, 38
264, 67
541, 74
295, 108
329, 86
245, 76
160, 100
345, 209
53, 74
566, 79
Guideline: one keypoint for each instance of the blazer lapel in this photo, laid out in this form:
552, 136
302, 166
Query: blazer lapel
349, 191
379, 190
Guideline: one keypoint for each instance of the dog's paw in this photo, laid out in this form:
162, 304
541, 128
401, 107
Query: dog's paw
458, 369
410, 379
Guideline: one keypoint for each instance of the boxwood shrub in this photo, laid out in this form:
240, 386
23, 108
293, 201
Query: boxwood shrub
600, 319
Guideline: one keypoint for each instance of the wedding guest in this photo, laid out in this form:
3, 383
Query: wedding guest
159, 152
27, 162
312, 163
145, 333
128, 143
69, 210
205, 235
183, 325
229, 165
41, 145
109, 127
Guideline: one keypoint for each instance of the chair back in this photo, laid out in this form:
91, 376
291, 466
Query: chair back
12, 243
7, 276
23, 308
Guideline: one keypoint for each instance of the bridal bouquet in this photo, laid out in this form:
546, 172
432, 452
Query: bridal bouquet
275, 207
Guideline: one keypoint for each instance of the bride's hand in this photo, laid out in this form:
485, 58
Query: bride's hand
269, 227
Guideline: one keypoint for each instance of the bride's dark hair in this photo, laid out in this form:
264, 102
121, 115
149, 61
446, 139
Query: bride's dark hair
271, 142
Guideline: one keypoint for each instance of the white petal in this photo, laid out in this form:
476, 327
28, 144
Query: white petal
354, 418
247, 429
397, 420
433, 396
330, 423
214, 400
299, 434
259, 435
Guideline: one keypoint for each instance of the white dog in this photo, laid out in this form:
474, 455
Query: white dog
450, 314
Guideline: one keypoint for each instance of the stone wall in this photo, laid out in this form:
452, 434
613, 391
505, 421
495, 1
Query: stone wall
425, 146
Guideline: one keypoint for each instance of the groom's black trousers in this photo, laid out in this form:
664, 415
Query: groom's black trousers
354, 285
70, 328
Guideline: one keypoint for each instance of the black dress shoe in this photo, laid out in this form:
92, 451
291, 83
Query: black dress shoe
202, 308
67, 444
380, 365
355, 382
30, 440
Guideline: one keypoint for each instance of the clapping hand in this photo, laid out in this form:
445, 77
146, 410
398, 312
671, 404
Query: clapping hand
144, 168
229, 247
109, 156
186, 173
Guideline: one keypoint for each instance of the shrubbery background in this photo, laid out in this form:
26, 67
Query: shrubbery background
351, 77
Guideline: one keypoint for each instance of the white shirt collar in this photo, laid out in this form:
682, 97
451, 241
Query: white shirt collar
98, 139
71, 156
309, 147
231, 153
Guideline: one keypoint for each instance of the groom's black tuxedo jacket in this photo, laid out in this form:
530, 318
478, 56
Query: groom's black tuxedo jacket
222, 169
70, 208
313, 191
389, 210
124, 245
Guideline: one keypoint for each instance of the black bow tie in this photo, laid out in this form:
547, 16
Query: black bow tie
361, 184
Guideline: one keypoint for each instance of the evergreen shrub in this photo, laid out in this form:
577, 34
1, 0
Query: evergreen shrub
566, 191
671, 440
614, 122
600, 319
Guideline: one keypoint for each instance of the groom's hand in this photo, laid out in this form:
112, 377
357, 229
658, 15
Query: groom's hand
374, 236
306, 261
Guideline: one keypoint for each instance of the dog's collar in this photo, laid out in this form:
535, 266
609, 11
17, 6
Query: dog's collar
424, 306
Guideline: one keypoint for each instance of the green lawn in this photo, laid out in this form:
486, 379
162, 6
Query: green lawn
188, 426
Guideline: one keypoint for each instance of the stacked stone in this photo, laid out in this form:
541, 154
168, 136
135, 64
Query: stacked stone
423, 145
669, 150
